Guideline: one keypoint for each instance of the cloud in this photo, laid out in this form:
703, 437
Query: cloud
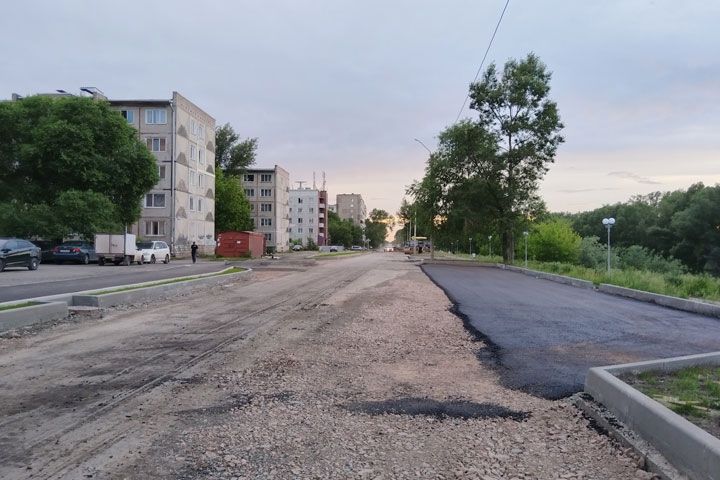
633, 176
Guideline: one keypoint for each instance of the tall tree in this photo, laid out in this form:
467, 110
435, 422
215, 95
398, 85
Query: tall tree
72, 164
524, 124
232, 208
376, 227
232, 155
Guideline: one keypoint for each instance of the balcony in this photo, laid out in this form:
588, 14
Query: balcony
321, 225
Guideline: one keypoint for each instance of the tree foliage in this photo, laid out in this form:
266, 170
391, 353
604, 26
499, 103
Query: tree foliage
232, 208
376, 227
232, 155
486, 171
343, 232
554, 241
69, 165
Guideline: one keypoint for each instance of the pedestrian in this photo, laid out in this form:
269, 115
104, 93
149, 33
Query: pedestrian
193, 252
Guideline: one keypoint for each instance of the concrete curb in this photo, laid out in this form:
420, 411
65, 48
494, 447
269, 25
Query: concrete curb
693, 451
37, 313
575, 282
55, 307
157, 291
664, 300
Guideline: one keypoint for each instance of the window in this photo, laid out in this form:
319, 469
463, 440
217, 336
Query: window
201, 132
155, 117
299, 209
155, 200
266, 192
290, 209
191, 178
266, 222
154, 229
192, 204
155, 144
161, 172
201, 156
310, 220
268, 237
201, 180
300, 230
193, 152
311, 200
128, 115
249, 192
248, 177
311, 230
311, 209
266, 177
299, 200
299, 220
193, 128
266, 207
200, 204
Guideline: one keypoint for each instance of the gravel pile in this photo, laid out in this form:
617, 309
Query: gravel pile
387, 385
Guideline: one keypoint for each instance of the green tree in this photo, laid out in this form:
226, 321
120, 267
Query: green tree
232, 208
339, 231
69, 165
376, 227
232, 155
554, 241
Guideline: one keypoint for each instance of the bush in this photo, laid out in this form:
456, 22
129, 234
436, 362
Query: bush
555, 241
593, 254
641, 258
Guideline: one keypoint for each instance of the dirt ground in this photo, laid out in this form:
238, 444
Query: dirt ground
353, 368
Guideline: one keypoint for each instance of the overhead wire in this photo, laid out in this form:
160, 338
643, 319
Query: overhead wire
477, 74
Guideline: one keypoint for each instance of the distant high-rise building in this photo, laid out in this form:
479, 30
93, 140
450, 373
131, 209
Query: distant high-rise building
268, 189
352, 206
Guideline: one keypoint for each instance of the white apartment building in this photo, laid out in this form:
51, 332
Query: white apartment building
268, 189
181, 208
304, 215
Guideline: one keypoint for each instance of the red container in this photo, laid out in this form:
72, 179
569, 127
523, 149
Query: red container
238, 244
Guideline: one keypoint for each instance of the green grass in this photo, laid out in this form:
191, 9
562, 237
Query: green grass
167, 282
19, 305
691, 392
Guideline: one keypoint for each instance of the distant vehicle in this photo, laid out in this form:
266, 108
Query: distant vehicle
333, 249
16, 252
153, 251
356, 247
116, 248
297, 248
388, 248
74, 251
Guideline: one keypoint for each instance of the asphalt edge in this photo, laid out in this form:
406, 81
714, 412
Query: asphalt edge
692, 451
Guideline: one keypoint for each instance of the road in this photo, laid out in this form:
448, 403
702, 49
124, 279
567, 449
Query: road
546, 335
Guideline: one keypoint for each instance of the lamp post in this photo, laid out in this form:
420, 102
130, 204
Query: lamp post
490, 245
608, 222
525, 234
456, 246
470, 245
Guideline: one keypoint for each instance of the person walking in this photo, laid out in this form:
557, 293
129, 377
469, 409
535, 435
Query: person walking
193, 252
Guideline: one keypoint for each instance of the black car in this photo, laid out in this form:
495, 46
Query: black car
16, 252
74, 251
46, 249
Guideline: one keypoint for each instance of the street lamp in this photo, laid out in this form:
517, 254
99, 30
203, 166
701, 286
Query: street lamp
470, 245
525, 234
456, 246
608, 222
490, 245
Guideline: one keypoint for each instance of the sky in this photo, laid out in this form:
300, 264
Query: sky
344, 88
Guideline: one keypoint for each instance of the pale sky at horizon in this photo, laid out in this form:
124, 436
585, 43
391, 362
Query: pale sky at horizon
345, 87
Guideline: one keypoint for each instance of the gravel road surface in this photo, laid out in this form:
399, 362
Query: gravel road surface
352, 368
546, 335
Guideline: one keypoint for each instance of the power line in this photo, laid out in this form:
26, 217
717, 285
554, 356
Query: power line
483, 60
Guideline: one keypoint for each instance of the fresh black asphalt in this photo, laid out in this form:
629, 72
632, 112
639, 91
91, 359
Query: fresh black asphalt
543, 336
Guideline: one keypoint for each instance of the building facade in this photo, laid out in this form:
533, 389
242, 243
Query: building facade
323, 218
181, 208
352, 206
268, 191
304, 215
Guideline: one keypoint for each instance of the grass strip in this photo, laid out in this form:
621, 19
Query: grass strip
167, 282
19, 305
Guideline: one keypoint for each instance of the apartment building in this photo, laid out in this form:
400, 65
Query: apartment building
304, 215
181, 208
351, 205
268, 191
322, 217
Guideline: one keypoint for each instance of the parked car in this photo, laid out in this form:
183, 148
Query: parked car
333, 248
16, 252
46, 249
297, 248
154, 251
76, 251
356, 247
